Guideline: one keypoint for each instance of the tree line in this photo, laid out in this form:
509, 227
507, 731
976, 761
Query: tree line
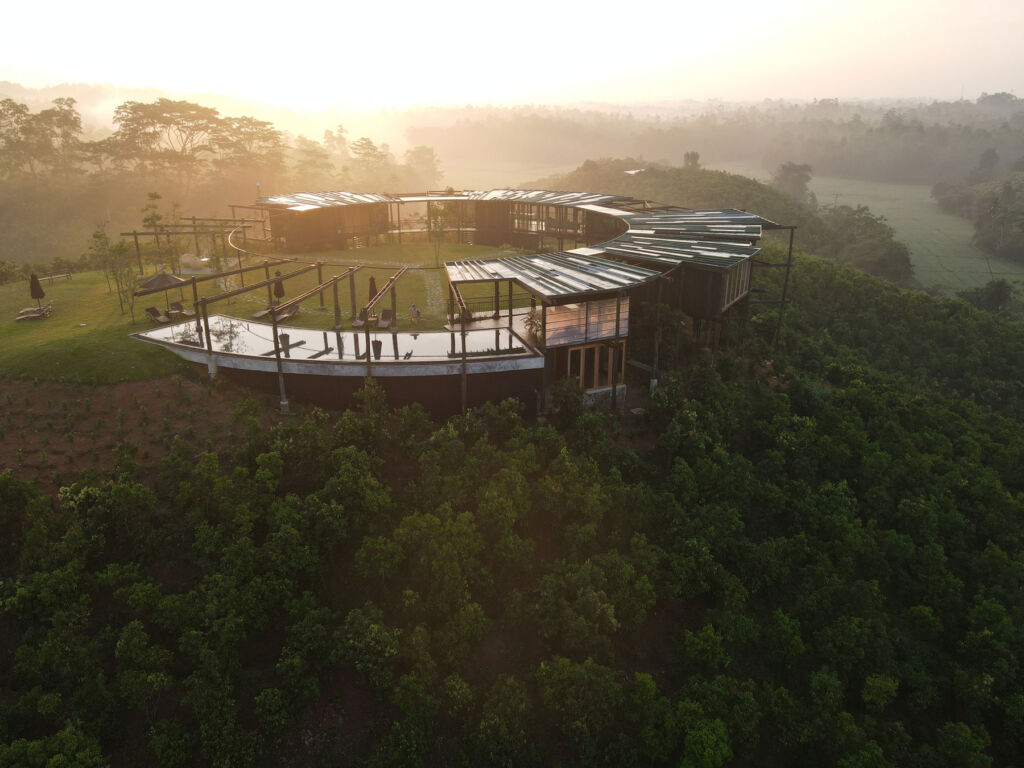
56, 186
904, 142
992, 200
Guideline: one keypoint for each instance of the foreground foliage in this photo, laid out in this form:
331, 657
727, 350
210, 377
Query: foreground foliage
812, 560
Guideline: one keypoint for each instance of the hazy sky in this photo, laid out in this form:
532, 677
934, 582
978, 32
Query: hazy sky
316, 55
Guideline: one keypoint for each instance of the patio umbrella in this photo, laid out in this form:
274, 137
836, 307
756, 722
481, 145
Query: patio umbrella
278, 285
156, 282
373, 287
35, 289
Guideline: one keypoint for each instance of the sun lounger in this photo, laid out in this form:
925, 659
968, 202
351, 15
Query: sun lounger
34, 313
177, 306
154, 313
360, 321
286, 314
386, 317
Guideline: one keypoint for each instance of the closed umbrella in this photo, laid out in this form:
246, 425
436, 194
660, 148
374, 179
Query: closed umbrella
278, 286
373, 287
35, 289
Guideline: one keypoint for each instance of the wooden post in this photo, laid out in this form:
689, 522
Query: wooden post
266, 271
785, 289
195, 235
138, 251
369, 350
320, 280
337, 305
657, 331
615, 352
465, 372
195, 306
241, 272
510, 286
211, 362
544, 327
352, 293
280, 366
394, 310
497, 300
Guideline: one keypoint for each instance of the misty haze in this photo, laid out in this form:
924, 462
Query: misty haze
516, 385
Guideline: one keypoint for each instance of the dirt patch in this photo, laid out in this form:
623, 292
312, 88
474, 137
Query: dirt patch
52, 433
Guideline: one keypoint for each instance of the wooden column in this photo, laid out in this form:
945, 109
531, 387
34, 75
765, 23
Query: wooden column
785, 289
211, 362
337, 305
138, 251
369, 350
657, 330
465, 371
394, 311
615, 352
320, 280
352, 293
280, 367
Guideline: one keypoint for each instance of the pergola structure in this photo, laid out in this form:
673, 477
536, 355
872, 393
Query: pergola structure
560, 312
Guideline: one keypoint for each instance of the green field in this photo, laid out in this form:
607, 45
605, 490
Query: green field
942, 251
86, 338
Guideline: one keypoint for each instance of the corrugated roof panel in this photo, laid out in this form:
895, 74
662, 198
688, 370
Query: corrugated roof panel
553, 274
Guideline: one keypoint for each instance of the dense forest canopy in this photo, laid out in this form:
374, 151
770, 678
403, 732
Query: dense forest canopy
802, 556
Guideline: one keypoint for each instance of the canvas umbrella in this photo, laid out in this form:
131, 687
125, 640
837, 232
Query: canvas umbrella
35, 288
163, 281
373, 287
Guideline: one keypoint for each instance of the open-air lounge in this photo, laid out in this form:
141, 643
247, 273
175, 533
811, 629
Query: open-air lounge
600, 256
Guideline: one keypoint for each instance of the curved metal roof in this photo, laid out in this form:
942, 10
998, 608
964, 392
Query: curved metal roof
660, 237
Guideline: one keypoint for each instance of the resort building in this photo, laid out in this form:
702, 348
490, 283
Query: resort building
517, 322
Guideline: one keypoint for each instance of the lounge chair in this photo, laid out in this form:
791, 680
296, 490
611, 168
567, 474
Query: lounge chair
34, 313
154, 313
180, 309
386, 317
360, 321
286, 314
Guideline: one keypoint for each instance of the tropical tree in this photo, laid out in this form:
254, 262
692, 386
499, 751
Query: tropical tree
791, 179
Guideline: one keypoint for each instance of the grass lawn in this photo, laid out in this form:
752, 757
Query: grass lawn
941, 249
86, 338
423, 284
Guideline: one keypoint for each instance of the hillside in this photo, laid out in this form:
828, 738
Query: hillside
801, 556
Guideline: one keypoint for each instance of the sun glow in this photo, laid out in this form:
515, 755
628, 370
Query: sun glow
320, 55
